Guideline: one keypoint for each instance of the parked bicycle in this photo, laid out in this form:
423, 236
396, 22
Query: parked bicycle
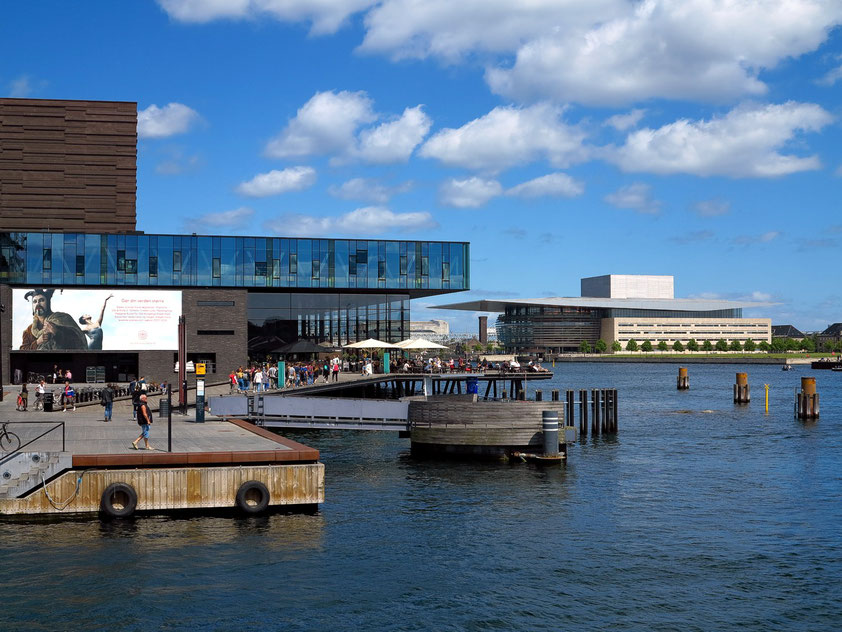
9, 441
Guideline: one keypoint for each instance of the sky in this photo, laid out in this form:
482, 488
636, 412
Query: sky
561, 138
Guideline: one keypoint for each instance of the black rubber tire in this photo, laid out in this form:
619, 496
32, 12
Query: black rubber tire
119, 500
252, 497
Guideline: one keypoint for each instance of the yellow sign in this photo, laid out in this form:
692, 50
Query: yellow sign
200, 368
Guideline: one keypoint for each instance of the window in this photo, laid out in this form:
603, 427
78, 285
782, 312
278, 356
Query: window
131, 266
293, 263
260, 268
276, 268
153, 266
48, 259
215, 303
121, 261
217, 267
425, 266
80, 265
381, 270
445, 271
176, 261
403, 264
352, 265
315, 268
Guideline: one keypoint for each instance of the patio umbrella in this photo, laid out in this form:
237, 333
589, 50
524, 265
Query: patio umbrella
371, 343
419, 343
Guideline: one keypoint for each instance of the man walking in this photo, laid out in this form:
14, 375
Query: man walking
106, 398
144, 420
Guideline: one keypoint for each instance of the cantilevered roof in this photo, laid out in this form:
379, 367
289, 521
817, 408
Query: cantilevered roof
670, 304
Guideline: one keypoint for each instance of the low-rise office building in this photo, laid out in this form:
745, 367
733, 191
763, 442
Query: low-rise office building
618, 308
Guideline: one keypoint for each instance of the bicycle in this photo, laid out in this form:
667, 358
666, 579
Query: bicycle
9, 441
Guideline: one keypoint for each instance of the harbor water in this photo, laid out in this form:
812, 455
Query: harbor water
699, 515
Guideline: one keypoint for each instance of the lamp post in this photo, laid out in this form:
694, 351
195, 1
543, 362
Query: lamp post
2, 351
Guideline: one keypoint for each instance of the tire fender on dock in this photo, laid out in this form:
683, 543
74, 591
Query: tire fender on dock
253, 497
119, 500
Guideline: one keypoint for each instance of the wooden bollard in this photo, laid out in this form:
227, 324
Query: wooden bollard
504, 394
683, 379
521, 395
583, 412
539, 396
554, 395
742, 391
807, 400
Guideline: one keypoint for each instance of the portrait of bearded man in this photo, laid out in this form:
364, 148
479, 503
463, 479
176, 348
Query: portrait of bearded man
49, 329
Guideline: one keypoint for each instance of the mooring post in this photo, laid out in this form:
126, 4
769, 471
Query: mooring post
742, 392
614, 412
683, 379
807, 400
606, 426
595, 411
539, 396
521, 395
554, 395
549, 425
503, 394
583, 411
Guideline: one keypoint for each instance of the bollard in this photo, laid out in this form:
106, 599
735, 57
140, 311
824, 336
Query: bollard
683, 379
807, 400
504, 394
521, 395
549, 425
554, 394
742, 391
539, 396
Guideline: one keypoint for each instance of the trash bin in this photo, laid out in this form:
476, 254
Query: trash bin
48, 402
472, 386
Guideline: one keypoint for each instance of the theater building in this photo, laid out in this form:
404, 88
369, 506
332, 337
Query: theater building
84, 290
618, 308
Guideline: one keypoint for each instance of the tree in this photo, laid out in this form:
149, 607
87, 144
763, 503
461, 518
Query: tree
707, 345
631, 345
477, 348
662, 346
677, 346
721, 345
584, 347
692, 345
749, 345
764, 346
646, 346
735, 346
808, 345
600, 346
616, 346
792, 344
778, 345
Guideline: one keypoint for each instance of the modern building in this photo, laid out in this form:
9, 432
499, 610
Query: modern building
92, 291
618, 308
426, 328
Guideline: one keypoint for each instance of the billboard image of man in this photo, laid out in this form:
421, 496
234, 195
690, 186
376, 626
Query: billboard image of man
49, 329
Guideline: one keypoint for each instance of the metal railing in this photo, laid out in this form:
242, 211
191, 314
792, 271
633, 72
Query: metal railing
55, 425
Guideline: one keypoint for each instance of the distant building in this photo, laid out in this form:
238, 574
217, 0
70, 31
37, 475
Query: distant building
832, 334
618, 308
786, 331
427, 328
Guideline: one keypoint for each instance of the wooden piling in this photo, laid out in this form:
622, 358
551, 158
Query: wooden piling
554, 395
742, 390
683, 379
583, 412
539, 395
807, 399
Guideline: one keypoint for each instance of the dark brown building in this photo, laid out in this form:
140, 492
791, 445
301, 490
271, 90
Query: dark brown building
68, 166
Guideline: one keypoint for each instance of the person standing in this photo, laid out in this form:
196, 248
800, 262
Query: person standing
69, 397
144, 420
106, 398
273, 376
136, 395
40, 390
23, 398
335, 369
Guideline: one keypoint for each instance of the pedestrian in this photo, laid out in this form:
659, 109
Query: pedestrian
258, 380
144, 420
23, 397
335, 369
232, 381
39, 395
273, 376
136, 395
291, 376
106, 399
69, 397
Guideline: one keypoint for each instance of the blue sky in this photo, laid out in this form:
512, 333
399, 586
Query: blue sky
698, 138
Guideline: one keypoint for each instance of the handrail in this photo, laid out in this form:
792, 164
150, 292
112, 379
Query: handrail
56, 424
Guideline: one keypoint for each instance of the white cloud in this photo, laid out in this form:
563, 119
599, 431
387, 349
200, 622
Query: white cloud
622, 122
20, 87
329, 122
236, 218
326, 16
712, 208
744, 143
675, 49
368, 190
370, 220
276, 182
763, 238
325, 124
396, 140
830, 77
178, 164
508, 136
469, 193
637, 197
173, 118
553, 184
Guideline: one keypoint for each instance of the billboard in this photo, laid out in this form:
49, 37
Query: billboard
52, 319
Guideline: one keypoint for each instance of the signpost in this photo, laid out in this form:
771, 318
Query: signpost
200, 392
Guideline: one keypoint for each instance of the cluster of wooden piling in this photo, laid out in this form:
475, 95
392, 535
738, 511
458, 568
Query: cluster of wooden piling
742, 391
683, 379
807, 399
603, 410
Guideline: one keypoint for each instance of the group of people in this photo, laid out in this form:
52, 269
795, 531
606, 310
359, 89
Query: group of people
266, 376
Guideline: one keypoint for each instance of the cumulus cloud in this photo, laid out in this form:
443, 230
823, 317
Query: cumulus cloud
368, 190
553, 185
330, 122
674, 49
276, 182
236, 218
636, 197
24, 86
178, 163
712, 208
763, 238
622, 122
468, 193
325, 16
508, 136
370, 220
172, 119
693, 237
747, 142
